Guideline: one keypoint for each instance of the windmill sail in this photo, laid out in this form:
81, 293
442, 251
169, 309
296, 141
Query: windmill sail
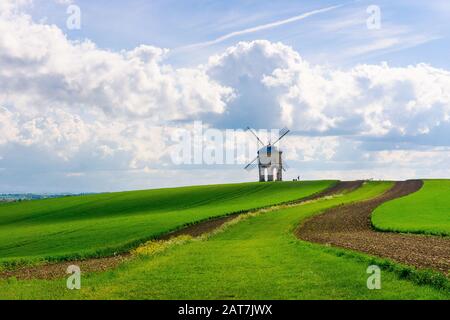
256, 136
251, 164
283, 133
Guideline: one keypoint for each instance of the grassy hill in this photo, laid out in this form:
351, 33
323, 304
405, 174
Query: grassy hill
426, 211
257, 258
95, 225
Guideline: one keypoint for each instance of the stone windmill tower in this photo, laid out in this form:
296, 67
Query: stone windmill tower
269, 159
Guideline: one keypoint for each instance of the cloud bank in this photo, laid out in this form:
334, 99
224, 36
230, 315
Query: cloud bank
70, 110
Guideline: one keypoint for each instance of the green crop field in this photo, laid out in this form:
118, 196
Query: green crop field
257, 258
426, 211
95, 225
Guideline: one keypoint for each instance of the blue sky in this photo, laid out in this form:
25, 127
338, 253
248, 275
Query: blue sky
84, 110
421, 27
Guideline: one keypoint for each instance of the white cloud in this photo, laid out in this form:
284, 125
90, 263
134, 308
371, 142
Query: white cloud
73, 108
274, 86
64, 2
71, 98
371, 100
310, 148
8, 7
41, 67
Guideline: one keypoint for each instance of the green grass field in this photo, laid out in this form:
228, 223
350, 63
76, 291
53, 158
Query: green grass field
94, 225
426, 211
257, 258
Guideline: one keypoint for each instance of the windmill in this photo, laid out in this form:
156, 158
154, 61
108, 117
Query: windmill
268, 158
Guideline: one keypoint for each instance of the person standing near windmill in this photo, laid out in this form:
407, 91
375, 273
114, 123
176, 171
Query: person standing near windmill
269, 158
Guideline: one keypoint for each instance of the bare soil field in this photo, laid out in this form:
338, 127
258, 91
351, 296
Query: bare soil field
350, 227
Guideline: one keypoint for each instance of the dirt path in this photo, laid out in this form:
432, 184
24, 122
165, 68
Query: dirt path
57, 270
349, 227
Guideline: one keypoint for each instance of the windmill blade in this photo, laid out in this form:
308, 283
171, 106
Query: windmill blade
283, 133
251, 165
257, 138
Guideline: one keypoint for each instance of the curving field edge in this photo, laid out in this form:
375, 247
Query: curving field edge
350, 227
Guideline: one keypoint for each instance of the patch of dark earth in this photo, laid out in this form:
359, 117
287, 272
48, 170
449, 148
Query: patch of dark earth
58, 270
349, 226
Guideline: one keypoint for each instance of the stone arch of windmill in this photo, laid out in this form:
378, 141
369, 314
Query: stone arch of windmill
269, 159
